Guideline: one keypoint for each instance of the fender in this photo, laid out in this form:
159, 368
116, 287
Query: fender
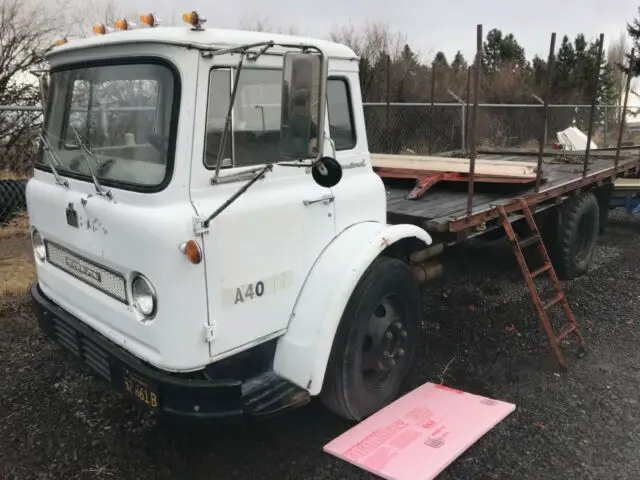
303, 351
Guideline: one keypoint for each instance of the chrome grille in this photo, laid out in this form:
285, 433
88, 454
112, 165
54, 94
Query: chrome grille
99, 277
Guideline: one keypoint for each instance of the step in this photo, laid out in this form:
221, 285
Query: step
529, 241
541, 270
269, 394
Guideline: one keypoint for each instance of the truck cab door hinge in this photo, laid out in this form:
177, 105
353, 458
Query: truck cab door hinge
209, 333
198, 226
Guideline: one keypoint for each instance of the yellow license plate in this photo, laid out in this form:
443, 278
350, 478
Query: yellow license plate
140, 390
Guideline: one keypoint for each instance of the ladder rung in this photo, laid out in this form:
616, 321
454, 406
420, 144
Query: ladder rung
557, 299
567, 330
541, 270
529, 241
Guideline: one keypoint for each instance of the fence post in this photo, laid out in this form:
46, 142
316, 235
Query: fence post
461, 104
463, 123
474, 119
605, 127
623, 113
545, 111
388, 126
594, 100
467, 108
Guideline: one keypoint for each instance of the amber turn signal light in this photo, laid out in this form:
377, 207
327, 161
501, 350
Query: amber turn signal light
192, 251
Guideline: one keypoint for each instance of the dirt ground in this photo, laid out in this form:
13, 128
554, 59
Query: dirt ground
58, 422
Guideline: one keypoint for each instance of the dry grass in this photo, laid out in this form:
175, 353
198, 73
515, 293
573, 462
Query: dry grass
17, 227
9, 175
16, 273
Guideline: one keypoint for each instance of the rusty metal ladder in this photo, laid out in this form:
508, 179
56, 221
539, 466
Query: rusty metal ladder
518, 245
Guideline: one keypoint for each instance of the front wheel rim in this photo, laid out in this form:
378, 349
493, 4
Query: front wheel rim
383, 343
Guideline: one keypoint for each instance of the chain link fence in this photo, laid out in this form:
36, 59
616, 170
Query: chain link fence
421, 128
425, 128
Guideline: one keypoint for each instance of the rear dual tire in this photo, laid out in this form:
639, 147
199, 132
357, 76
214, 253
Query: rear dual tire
573, 235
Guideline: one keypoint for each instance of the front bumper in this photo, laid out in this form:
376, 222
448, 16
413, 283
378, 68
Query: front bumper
183, 395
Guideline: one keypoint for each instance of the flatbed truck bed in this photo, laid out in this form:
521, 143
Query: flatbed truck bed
442, 210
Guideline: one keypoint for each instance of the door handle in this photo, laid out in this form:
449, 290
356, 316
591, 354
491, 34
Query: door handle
324, 199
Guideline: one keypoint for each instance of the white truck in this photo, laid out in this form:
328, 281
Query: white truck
200, 244
210, 236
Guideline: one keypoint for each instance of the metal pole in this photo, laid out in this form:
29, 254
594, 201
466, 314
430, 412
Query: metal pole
466, 111
605, 127
433, 83
433, 95
474, 119
594, 100
545, 110
462, 105
388, 126
623, 113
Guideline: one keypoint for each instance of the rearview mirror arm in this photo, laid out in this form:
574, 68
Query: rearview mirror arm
227, 122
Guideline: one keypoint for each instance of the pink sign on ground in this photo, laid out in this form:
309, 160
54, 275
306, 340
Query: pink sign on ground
420, 434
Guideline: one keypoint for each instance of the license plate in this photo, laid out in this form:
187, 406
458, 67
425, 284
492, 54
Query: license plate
141, 390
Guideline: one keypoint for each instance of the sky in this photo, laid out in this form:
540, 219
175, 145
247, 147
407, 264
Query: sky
430, 25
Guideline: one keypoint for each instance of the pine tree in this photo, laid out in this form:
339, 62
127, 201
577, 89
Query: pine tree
634, 32
459, 64
562, 86
500, 50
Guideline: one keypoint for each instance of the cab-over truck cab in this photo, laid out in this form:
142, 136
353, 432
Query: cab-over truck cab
209, 235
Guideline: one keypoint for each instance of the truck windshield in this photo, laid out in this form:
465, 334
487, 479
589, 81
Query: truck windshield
124, 115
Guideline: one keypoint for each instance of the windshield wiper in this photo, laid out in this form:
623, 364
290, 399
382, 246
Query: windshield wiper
84, 152
59, 180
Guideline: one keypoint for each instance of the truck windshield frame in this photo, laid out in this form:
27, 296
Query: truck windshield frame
126, 112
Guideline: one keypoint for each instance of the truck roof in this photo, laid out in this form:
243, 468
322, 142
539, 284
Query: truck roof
205, 39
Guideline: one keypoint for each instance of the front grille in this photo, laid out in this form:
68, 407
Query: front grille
83, 348
99, 277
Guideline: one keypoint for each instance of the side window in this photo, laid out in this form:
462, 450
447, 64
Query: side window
255, 121
340, 114
218, 103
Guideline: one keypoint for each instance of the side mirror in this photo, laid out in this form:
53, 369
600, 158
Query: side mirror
302, 115
327, 172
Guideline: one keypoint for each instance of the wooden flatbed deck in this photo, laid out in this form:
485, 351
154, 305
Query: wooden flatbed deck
443, 208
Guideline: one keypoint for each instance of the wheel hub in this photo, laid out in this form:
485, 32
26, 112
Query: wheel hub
393, 345
384, 343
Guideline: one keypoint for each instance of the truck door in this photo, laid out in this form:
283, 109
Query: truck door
258, 251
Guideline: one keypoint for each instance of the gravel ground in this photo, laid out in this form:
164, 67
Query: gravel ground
58, 422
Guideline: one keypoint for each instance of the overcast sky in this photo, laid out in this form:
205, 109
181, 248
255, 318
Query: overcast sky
430, 25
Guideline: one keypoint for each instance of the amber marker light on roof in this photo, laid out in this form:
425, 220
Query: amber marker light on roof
149, 20
193, 19
99, 29
121, 24
61, 42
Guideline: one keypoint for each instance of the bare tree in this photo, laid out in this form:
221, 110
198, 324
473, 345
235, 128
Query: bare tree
616, 56
27, 33
258, 23
372, 40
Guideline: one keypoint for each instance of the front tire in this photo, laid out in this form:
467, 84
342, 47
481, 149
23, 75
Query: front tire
376, 341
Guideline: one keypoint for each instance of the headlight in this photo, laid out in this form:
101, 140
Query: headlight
39, 250
143, 296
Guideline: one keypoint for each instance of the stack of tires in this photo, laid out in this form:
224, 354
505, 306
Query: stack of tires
12, 199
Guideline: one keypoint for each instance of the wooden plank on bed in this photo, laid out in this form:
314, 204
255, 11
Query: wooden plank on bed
484, 167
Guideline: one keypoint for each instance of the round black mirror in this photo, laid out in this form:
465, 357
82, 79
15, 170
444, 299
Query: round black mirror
326, 172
